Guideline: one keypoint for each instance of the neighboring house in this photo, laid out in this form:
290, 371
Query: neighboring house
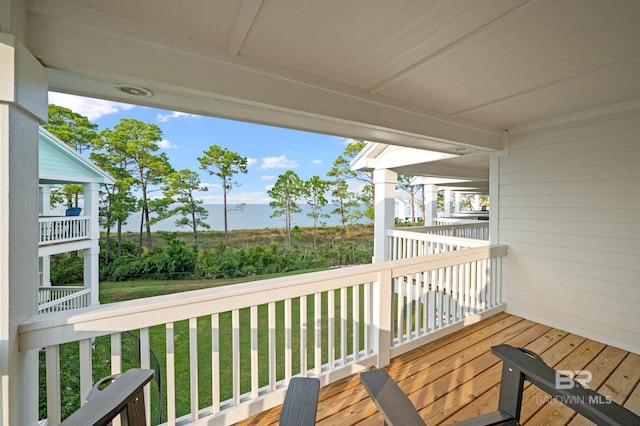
68, 230
403, 209
538, 99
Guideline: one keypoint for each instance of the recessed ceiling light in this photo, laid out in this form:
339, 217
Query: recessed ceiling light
139, 92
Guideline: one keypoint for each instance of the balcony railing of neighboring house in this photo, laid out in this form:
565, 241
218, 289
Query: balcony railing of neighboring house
454, 221
474, 229
328, 324
56, 299
408, 243
61, 229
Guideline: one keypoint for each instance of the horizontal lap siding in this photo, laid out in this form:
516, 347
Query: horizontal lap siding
570, 213
52, 162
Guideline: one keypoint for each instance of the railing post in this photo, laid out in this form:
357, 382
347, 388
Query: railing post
381, 310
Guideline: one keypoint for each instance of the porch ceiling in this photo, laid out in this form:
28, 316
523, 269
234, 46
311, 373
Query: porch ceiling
431, 75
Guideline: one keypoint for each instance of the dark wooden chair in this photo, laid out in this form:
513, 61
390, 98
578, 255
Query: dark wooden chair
301, 402
518, 365
122, 395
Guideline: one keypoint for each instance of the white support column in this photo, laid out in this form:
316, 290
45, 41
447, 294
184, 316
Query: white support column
448, 203
45, 271
385, 202
458, 202
23, 104
430, 204
476, 202
92, 254
45, 261
45, 200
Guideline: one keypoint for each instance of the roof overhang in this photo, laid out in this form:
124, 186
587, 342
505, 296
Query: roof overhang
78, 169
435, 76
462, 172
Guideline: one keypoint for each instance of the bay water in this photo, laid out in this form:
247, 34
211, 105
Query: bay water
251, 216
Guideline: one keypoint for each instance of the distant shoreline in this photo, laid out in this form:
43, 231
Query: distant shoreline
253, 216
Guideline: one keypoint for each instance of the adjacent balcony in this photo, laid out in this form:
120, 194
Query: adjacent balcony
58, 234
56, 299
63, 229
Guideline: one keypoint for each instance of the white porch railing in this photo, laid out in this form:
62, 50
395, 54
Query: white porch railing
453, 221
62, 229
244, 342
477, 230
404, 244
55, 299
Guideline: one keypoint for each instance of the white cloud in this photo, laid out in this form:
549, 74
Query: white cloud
91, 108
281, 162
251, 162
317, 161
355, 186
267, 177
165, 144
163, 118
211, 186
268, 187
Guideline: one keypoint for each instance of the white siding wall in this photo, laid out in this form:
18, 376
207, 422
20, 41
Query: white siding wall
570, 213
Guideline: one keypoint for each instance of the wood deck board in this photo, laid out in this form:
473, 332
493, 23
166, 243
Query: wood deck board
456, 377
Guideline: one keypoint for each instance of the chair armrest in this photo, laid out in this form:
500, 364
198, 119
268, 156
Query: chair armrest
301, 402
393, 404
520, 364
123, 393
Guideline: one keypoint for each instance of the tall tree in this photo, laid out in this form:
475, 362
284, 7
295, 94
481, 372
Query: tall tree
286, 194
314, 191
224, 164
133, 145
348, 202
76, 131
404, 184
180, 187
71, 128
117, 201
342, 168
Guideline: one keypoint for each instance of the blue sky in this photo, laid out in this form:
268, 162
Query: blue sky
270, 150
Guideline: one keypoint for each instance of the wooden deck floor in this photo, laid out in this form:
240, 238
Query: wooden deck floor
457, 377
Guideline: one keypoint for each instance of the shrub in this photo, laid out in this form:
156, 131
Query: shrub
66, 269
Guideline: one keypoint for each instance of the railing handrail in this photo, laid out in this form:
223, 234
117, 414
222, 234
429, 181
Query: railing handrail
435, 228
62, 327
43, 288
63, 299
444, 239
43, 219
